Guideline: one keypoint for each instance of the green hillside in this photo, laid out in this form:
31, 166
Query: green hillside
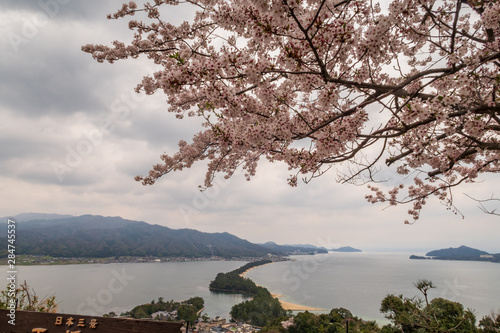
98, 236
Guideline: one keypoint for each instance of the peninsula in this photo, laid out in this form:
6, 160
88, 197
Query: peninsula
236, 282
460, 253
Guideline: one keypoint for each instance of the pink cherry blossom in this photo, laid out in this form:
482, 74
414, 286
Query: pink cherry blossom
414, 86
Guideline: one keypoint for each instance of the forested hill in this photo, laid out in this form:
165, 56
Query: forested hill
98, 236
460, 253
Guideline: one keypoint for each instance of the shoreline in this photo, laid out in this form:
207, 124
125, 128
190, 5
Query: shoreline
284, 304
242, 274
293, 306
32, 260
44, 260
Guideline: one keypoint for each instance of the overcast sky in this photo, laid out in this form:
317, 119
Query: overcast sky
74, 134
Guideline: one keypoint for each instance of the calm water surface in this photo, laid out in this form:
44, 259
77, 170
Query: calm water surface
359, 281
97, 289
356, 281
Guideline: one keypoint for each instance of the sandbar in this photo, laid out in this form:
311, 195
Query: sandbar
294, 307
286, 305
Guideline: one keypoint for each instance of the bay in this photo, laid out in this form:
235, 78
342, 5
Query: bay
96, 289
356, 281
359, 281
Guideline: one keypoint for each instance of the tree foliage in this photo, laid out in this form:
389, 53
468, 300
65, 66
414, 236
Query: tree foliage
197, 302
262, 309
335, 322
146, 310
233, 282
490, 324
187, 313
27, 299
413, 85
187, 310
423, 286
438, 315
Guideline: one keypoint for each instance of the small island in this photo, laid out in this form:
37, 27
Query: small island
345, 249
460, 253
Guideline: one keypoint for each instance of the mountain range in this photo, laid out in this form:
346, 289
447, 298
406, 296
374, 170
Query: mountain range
99, 236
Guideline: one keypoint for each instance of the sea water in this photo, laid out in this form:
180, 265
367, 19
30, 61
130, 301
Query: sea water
360, 281
355, 281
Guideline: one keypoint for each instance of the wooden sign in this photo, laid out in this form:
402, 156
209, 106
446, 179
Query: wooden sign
42, 322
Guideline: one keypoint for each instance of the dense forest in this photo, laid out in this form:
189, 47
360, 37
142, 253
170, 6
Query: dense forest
232, 282
262, 309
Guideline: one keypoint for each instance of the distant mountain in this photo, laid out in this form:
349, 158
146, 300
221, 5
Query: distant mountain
346, 249
294, 249
309, 246
460, 253
98, 236
34, 216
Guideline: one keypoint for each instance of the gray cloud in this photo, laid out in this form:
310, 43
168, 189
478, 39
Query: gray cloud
89, 10
60, 107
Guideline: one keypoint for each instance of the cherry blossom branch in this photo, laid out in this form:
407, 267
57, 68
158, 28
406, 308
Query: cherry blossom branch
482, 207
413, 87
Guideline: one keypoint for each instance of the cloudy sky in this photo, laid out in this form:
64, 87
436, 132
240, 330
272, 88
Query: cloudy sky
74, 134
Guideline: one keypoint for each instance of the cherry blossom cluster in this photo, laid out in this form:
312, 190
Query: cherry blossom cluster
413, 85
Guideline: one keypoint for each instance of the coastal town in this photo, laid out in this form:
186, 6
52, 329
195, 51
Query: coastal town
48, 260
209, 325
221, 326
205, 324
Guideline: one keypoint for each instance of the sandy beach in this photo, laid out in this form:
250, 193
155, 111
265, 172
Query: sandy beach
294, 307
286, 305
